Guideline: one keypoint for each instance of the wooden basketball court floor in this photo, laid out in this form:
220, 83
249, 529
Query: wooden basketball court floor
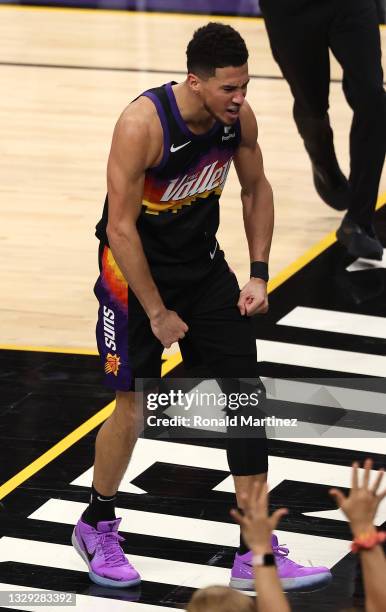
66, 75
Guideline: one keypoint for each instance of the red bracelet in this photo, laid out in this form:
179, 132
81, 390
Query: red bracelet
367, 541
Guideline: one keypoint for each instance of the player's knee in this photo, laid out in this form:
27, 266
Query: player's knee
241, 384
247, 457
128, 413
245, 397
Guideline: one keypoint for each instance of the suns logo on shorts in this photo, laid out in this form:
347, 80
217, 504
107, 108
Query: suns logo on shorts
112, 365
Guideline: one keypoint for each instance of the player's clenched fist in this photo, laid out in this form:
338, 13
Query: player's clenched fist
253, 298
168, 327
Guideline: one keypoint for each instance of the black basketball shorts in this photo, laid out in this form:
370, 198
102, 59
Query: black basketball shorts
126, 343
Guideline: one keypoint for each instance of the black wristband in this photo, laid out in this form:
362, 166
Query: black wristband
263, 560
259, 269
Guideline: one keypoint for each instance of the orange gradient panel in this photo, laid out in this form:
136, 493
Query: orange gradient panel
113, 279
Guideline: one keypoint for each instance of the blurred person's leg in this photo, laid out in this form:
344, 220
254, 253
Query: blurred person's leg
298, 34
381, 10
355, 42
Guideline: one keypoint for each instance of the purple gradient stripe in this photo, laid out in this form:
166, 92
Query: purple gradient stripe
165, 128
220, 7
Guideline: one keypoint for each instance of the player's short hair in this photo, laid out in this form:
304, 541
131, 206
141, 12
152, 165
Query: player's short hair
220, 599
215, 45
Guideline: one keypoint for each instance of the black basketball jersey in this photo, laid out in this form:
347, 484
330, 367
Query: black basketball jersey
180, 206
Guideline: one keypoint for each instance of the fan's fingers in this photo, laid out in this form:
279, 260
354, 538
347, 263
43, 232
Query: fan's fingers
354, 475
277, 516
368, 464
378, 481
338, 495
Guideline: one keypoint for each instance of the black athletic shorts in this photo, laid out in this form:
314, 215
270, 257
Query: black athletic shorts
126, 343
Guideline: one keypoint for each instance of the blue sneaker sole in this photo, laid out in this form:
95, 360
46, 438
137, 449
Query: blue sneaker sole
101, 580
306, 583
315, 581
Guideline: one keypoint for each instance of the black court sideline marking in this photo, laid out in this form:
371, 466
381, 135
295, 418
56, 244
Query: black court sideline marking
262, 77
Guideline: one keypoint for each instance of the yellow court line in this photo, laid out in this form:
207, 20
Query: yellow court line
73, 437
56, 450
302, 261
48, 349
311, 254
170, 363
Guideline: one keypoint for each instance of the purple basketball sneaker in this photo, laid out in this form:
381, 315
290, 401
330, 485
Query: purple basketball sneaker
292, 576
101, 550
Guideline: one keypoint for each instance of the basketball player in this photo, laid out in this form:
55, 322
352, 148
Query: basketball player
163, 277
301, 32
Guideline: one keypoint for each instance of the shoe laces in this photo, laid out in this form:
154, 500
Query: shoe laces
108, 545
281, 553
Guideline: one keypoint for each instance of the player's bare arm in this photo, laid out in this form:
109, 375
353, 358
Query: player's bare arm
137, 146
257, 200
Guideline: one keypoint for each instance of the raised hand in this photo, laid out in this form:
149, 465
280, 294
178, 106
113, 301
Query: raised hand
361, 505
255, 522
